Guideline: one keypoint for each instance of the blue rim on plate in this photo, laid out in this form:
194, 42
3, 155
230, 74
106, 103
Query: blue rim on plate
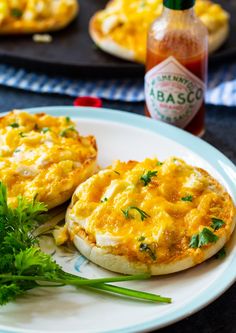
221, 163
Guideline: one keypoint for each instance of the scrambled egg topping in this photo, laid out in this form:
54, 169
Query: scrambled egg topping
127, 22
149, 211
43, 156
32, 10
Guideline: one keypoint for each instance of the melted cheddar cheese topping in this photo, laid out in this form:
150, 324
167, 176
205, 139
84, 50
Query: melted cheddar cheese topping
127, 22
148, 211
43, 156
32, 10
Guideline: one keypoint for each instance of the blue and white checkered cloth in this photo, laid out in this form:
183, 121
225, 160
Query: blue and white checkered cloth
221, 88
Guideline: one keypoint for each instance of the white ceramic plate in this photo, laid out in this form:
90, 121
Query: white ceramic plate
125, 136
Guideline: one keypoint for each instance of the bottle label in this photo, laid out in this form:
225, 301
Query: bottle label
173, 93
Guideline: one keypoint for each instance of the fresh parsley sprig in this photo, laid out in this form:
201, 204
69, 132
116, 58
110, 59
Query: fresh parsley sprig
67, 130
23, 266
16, 13
142, 213
147, 177
204, 237
14, 125
217, 223
188, 198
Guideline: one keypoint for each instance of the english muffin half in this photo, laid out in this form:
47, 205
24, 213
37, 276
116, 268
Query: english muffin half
150, 217
33, 16
121, 28
44, 157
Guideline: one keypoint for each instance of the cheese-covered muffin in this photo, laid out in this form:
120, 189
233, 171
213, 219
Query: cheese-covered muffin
121, 28
36, 16
150, 217
43, 157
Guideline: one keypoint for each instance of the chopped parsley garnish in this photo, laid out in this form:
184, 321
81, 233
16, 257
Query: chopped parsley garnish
147, 177
16, 12
142, 213
23, 266
17, 150
194, 242
67, 119
217, 223
187, 198
143, 247
14, 125
22, 135
67, 130
45, 129
104, 200
221, 254
159, 163
204, 237
141, 238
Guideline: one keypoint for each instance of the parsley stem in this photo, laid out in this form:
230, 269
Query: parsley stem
96, 284
133, 293
77, 281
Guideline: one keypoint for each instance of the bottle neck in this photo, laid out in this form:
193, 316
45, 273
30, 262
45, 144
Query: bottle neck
179, 4
177, 16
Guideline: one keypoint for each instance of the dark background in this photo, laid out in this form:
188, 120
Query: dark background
73, 53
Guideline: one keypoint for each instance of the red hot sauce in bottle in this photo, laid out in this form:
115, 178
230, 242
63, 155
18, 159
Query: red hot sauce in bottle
176, 67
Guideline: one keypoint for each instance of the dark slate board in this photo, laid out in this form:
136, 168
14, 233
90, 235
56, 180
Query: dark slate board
72, 52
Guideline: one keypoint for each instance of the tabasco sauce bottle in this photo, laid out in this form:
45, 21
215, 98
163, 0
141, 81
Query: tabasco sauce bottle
177, 56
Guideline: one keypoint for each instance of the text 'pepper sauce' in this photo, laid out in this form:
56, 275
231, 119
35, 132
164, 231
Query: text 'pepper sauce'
176, 67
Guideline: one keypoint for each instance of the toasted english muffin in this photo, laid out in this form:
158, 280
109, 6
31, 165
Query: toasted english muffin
36, 16
121, 28
150, 217
44, 157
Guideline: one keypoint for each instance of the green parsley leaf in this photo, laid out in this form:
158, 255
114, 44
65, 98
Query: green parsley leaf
204, 237
147, 178
159, 163
141, 238
22, 135
146, 248
187, 198
67, 119
32, 261
67, 130
9, 292
104, 200
14, 125
16, 12
142, 213
217, 223
194, 242
45, 129
221, 254
17, 223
